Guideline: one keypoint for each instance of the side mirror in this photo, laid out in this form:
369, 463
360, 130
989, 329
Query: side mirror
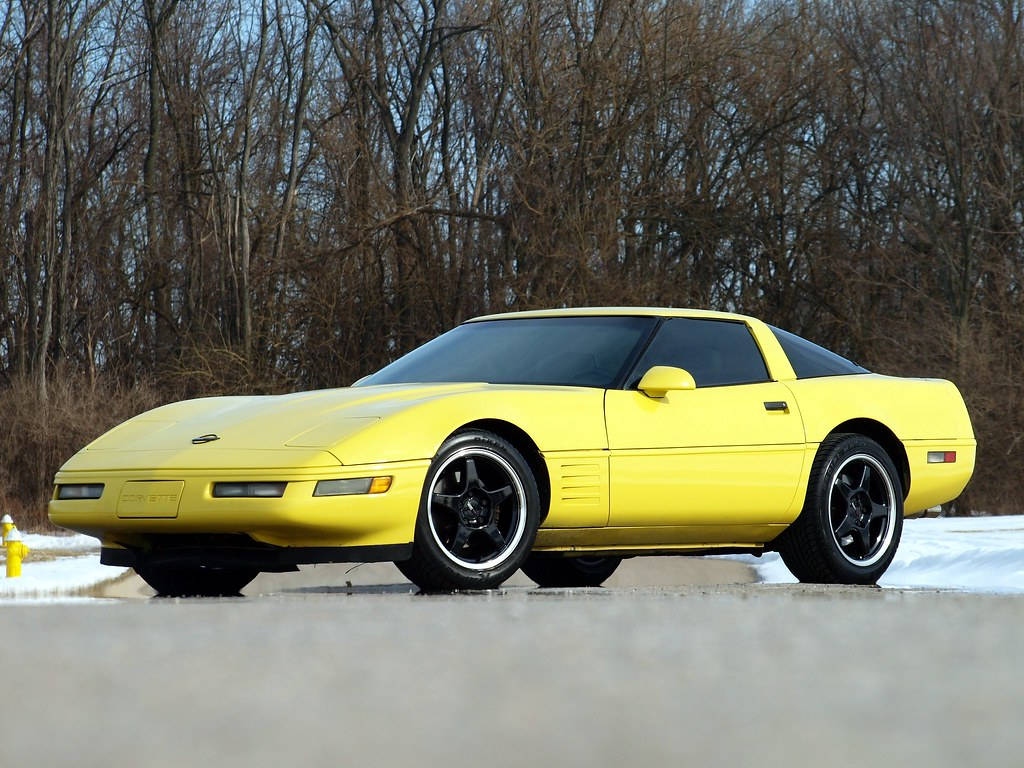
662, 379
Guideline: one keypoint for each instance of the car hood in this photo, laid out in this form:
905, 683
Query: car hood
301, 420
258, 432
354, 425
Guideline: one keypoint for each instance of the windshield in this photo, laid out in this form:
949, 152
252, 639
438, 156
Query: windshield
574, 351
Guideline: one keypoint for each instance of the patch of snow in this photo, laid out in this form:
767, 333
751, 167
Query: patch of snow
63, 576
983, 554
40, 542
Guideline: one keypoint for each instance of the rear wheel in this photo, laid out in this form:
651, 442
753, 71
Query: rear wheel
478, 515
852, 518
550, 571
195, 580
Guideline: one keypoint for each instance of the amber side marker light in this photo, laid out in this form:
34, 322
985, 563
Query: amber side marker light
352, 486
941, 457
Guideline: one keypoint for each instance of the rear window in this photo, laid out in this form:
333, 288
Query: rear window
810, 361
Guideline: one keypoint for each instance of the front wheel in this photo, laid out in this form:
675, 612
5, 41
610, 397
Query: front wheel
852, 518
195, 580
478, 515
553, 571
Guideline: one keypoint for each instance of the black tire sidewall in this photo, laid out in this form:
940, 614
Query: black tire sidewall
567, 572
431, 568
195, 581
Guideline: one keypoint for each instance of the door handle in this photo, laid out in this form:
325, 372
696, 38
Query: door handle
776, 405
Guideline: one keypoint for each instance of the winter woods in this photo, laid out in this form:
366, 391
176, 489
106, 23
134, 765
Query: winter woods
201, 197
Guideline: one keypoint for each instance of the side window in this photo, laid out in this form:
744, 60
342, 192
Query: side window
810, 361
715, 352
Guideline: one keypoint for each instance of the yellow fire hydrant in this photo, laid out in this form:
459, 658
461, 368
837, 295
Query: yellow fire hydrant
15, 552
6, 524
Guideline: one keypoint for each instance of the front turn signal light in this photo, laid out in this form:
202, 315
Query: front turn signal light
352, 486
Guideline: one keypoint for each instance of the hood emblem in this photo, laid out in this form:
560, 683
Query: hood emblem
204, 439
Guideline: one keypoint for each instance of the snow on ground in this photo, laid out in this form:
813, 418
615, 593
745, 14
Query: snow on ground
49, 571
983, 554
74, 543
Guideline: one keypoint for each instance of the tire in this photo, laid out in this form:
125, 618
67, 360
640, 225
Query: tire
852, 518
553, 571
478, 515
195, 580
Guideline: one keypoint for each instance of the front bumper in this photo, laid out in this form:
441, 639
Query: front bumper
296, 519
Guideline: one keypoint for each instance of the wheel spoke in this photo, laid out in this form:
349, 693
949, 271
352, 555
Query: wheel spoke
847, 526
500, 495
843, 486
447, 500
865, 478
472, 478
878, 510
865, 539
461, 536
495, 536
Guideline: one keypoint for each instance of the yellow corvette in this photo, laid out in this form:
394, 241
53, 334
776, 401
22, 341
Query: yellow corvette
557, 441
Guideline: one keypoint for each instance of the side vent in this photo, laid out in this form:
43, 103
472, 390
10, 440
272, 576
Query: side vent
582, 483
579, 492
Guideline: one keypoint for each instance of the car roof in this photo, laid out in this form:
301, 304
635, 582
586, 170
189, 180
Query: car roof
621, 311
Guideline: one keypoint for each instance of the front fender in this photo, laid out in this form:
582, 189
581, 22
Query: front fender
557, 419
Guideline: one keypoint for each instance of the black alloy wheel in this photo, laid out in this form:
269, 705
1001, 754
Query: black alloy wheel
852, 518
861, 506
478, 515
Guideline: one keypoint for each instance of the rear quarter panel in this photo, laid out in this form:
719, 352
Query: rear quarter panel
924, 414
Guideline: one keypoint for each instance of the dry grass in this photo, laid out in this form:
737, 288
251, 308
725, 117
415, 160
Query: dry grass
40, 436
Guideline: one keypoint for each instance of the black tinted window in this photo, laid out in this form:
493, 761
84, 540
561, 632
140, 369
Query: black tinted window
715, 352
810, 361
577, 351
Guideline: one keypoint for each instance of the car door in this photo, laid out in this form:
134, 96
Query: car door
729, 452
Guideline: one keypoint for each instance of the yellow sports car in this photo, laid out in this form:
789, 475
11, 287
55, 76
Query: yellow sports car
557, 441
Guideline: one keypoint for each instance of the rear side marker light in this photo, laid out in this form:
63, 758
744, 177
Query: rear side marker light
248, 490
90, 491
941, 457
352, 486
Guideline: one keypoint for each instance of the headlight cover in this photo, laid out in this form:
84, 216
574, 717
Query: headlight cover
248, 490
81, 491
